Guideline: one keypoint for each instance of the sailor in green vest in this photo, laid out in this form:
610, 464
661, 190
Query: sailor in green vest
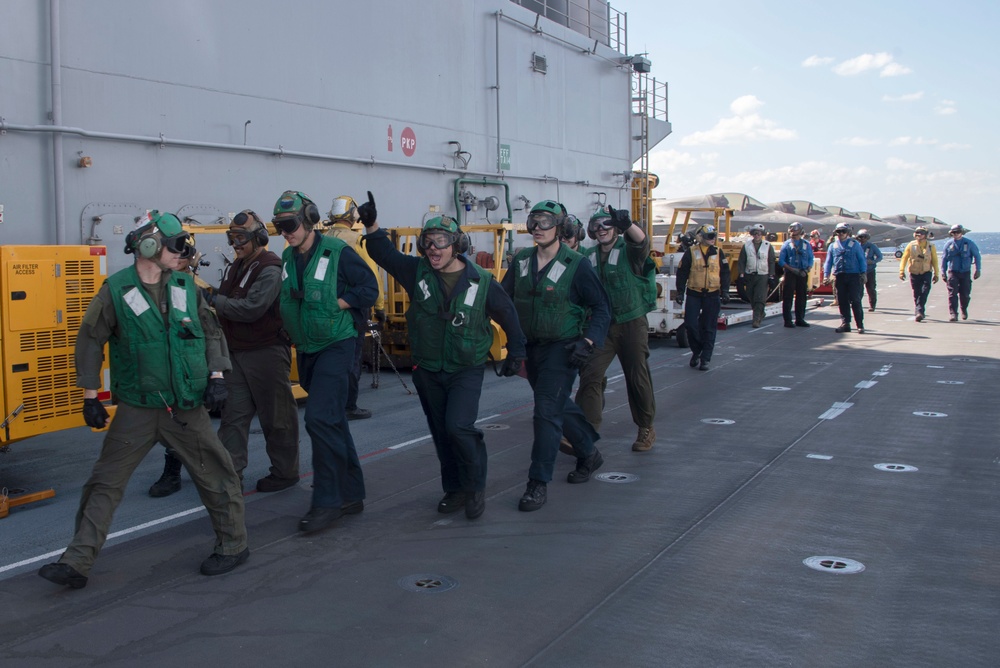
167, 357
452, 301
325, 289
553, 288
621, 259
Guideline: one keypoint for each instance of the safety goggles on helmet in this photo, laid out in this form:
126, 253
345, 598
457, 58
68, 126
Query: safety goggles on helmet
238, 238
708, 232
178, 244
540, 220
920, 230
863, 235
795, 227
437, 239
287, 225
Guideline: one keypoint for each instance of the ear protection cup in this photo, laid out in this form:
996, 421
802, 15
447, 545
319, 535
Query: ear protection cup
259, 231
462, 245
146, 241
309, 212
572, 228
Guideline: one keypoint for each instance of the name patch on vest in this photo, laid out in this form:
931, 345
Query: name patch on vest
613, 256
424, 289
321, 267
523, 267
556, 271
136, 301
178, 298
470, 294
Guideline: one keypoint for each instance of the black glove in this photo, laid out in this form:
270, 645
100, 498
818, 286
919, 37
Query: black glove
581, 351
216, 394
511, 365
620, 219
380, 315
367, 212
94, 413
724, 297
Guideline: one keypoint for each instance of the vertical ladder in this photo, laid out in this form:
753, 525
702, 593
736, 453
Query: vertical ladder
640, 181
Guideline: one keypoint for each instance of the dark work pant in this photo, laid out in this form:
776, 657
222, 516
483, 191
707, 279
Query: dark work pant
701, 319
630, 342
795, 287
355, 374
451, 403
258, 384
551, 378
959, 291
131, 435
337, 476
921, 284
870, 288
849, 292
757, 291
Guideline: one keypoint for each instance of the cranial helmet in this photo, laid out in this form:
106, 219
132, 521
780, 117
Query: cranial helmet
600, 218
756, 227
160, 230
842, 227
343, 209
920, 230
247, 227
814, 233
707, 232
295, 207
572, 228
448, 226
545, 215
864, 234
956, 228
795, 227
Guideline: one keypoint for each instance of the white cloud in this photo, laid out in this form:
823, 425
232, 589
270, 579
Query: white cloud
899, 165
858, 141
953, 146
912, 141
908, 97
744, 125
894, 70
946, 108
871, 61
816, 61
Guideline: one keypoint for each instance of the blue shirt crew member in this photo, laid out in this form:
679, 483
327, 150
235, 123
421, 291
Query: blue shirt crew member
325, 288
167, 362
846, 264
956, 266
796, 261
451, 304
703, 279
872, 256
553, 287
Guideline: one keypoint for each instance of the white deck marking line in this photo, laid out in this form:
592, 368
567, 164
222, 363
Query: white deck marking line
117, 534
426, 436
837, 408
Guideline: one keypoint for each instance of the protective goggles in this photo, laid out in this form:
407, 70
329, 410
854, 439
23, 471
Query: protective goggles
956, 232
840, 232
599, 224
287, 225
237, 238
863, 237
756, 231
540, 220
439, 240
178, 245
920, 233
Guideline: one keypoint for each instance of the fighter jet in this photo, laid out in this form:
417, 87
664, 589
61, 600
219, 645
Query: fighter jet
936, 228
747, 211
882, 233
819, 218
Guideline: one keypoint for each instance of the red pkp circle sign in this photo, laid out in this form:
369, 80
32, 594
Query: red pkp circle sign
408, 141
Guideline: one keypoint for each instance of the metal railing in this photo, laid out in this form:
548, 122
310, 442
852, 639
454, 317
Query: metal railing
596, 19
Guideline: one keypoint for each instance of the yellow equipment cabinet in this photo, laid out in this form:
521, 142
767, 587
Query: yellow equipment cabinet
45, 293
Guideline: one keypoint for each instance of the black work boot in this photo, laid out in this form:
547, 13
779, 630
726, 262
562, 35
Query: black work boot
534, 496
584, 467
170, 481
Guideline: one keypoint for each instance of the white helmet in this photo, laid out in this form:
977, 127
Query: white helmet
756, 227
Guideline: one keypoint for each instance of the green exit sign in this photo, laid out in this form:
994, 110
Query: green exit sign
504, 157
